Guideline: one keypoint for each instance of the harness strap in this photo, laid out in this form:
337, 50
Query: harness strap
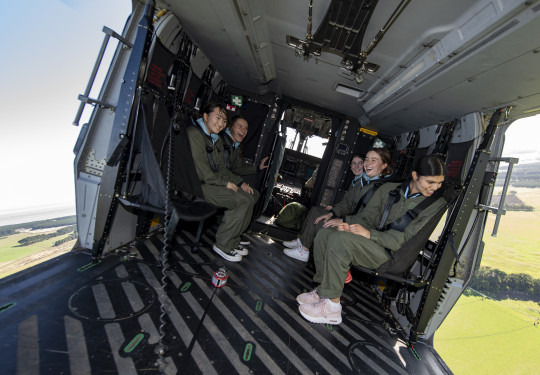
226, 151
401, 223
393, 197
366, 197
213, 166
209, 149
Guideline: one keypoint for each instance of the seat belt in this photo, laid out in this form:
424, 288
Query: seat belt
213, 166
366, 197
401, 223
226, 151
209, 149
393, 197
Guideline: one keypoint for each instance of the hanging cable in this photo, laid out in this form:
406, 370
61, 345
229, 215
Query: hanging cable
162, 348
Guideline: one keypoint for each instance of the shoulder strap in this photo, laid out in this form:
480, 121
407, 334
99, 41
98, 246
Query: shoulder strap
364, 199
393, 197
402, 223
226, 150
209, 150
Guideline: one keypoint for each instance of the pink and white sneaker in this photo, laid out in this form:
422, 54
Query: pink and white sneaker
323, 312
298, 253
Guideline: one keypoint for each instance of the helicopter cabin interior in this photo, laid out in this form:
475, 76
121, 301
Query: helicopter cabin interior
317, 82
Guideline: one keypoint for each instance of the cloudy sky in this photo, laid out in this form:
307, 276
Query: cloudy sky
48, 50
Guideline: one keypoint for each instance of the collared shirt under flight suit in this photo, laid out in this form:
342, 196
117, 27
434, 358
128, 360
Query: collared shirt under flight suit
335, 251
239, 204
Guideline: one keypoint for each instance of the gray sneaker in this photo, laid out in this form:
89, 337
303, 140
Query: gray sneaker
321, 312
232, 256
241, 250
308, 298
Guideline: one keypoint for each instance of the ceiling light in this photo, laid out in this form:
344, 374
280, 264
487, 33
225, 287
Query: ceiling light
348, 90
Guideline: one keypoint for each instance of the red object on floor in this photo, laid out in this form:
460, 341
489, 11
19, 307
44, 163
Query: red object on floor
349, 277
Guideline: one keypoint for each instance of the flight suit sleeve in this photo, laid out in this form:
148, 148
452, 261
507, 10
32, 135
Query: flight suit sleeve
240, 167
348, 203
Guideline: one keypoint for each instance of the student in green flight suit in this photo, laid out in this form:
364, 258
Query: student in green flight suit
375, 167
232, 137
357, 240
219, 185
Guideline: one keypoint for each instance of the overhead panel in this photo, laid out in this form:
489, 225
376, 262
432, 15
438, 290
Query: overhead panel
343, 27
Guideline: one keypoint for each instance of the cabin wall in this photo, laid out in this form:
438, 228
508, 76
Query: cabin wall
94, 140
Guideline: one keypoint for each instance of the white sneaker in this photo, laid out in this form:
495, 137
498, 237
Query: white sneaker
321, 312
241, 250
233, 256
297, 253
292, 243
244, 241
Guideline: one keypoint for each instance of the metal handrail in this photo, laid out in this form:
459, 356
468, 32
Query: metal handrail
84, 97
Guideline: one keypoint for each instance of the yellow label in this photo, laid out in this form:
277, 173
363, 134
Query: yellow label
367, 131
154, 222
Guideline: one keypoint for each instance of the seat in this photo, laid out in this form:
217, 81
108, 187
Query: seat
160, 156
397, 270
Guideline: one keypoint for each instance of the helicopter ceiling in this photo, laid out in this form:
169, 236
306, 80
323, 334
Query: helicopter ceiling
395, 65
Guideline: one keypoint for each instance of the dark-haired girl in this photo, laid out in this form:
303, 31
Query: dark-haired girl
357, 241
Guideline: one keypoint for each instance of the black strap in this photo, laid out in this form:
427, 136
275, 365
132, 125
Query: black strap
226, 150
393, 197
366, 197
213, 166
209, 149
402, 223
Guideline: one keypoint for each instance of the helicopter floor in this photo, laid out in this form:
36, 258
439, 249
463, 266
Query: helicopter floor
69, 315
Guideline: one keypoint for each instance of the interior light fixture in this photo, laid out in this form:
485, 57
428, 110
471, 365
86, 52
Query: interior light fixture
348, 90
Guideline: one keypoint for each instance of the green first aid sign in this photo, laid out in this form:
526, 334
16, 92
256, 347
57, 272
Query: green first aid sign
236, 100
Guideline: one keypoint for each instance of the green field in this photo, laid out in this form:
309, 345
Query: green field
516, 249
11, 251
482, 336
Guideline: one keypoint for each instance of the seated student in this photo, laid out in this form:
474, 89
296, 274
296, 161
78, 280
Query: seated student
232, 137
358, 240
219, 185
377, 166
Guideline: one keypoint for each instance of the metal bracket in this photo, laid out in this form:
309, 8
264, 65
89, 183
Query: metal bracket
87, 100
500, 211
84, 97
492, 209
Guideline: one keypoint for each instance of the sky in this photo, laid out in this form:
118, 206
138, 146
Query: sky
48, 51
49, 48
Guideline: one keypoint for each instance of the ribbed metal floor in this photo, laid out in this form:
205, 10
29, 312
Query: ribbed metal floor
61, 318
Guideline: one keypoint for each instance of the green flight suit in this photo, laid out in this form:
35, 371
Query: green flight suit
239, 204
346, 206
335, 251
235, 163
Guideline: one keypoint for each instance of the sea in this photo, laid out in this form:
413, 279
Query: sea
29, 214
